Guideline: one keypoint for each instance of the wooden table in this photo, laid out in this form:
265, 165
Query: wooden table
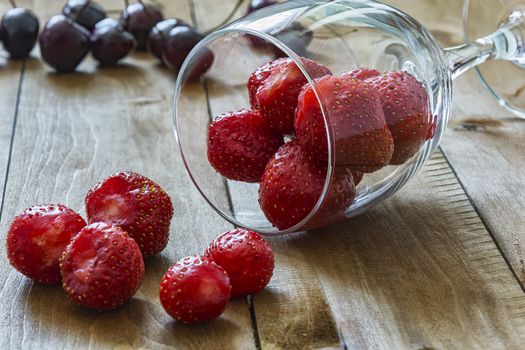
438, 266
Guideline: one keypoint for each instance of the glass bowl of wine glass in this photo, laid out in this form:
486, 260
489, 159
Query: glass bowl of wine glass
317, 110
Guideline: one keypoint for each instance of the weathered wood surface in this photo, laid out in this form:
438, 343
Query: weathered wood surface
419, 271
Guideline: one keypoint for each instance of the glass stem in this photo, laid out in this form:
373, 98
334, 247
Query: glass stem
507, 43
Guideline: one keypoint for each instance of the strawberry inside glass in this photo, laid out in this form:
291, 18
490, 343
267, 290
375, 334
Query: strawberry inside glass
314, 111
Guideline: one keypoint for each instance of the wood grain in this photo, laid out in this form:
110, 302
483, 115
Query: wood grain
491, 166
74, 130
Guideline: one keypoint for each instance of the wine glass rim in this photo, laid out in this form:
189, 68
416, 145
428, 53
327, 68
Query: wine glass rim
297, 60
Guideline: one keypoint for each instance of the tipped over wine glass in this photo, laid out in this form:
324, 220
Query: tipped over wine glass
344, 35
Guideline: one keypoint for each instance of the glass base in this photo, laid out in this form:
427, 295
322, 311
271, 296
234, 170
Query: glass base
504, 79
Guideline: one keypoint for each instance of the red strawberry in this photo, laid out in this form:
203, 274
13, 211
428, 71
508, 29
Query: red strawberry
246, 257
362, 139
38, 236
340, 196
259, 77
277, 86
362, 73
137, 204
195, 289
406, 108
102, 267
240, 144
292, 184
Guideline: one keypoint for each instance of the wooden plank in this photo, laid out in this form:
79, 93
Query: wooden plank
12, 71
489, 160
74, 130
419, 271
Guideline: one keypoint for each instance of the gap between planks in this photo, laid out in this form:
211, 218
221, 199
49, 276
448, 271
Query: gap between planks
482, 221
472, 239
13, 129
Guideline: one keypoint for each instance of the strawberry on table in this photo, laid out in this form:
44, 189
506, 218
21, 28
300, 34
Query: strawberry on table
102, 267
137, 204
276, 86
38, 236
406, 108
195, 289
240, 144
362, 139
246, 257
292, 184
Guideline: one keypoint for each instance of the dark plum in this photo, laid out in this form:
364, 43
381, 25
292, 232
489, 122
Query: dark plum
180, 41
138, 19
159, 33
259, 4
85, 12
110, 42
63, 43
19, 31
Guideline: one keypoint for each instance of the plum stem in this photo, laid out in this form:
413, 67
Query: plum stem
125, 12
227, 19
13, 3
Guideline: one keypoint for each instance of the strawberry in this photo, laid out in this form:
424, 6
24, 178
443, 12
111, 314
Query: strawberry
195, 289
292, 184
38, 236
102, 267
362, 139
277, 86
259, 77
362, 73
240, 144
340, 196
137, 204
406, 107
246, 257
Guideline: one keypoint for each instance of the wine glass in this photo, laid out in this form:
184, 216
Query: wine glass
342, 35
503, 78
